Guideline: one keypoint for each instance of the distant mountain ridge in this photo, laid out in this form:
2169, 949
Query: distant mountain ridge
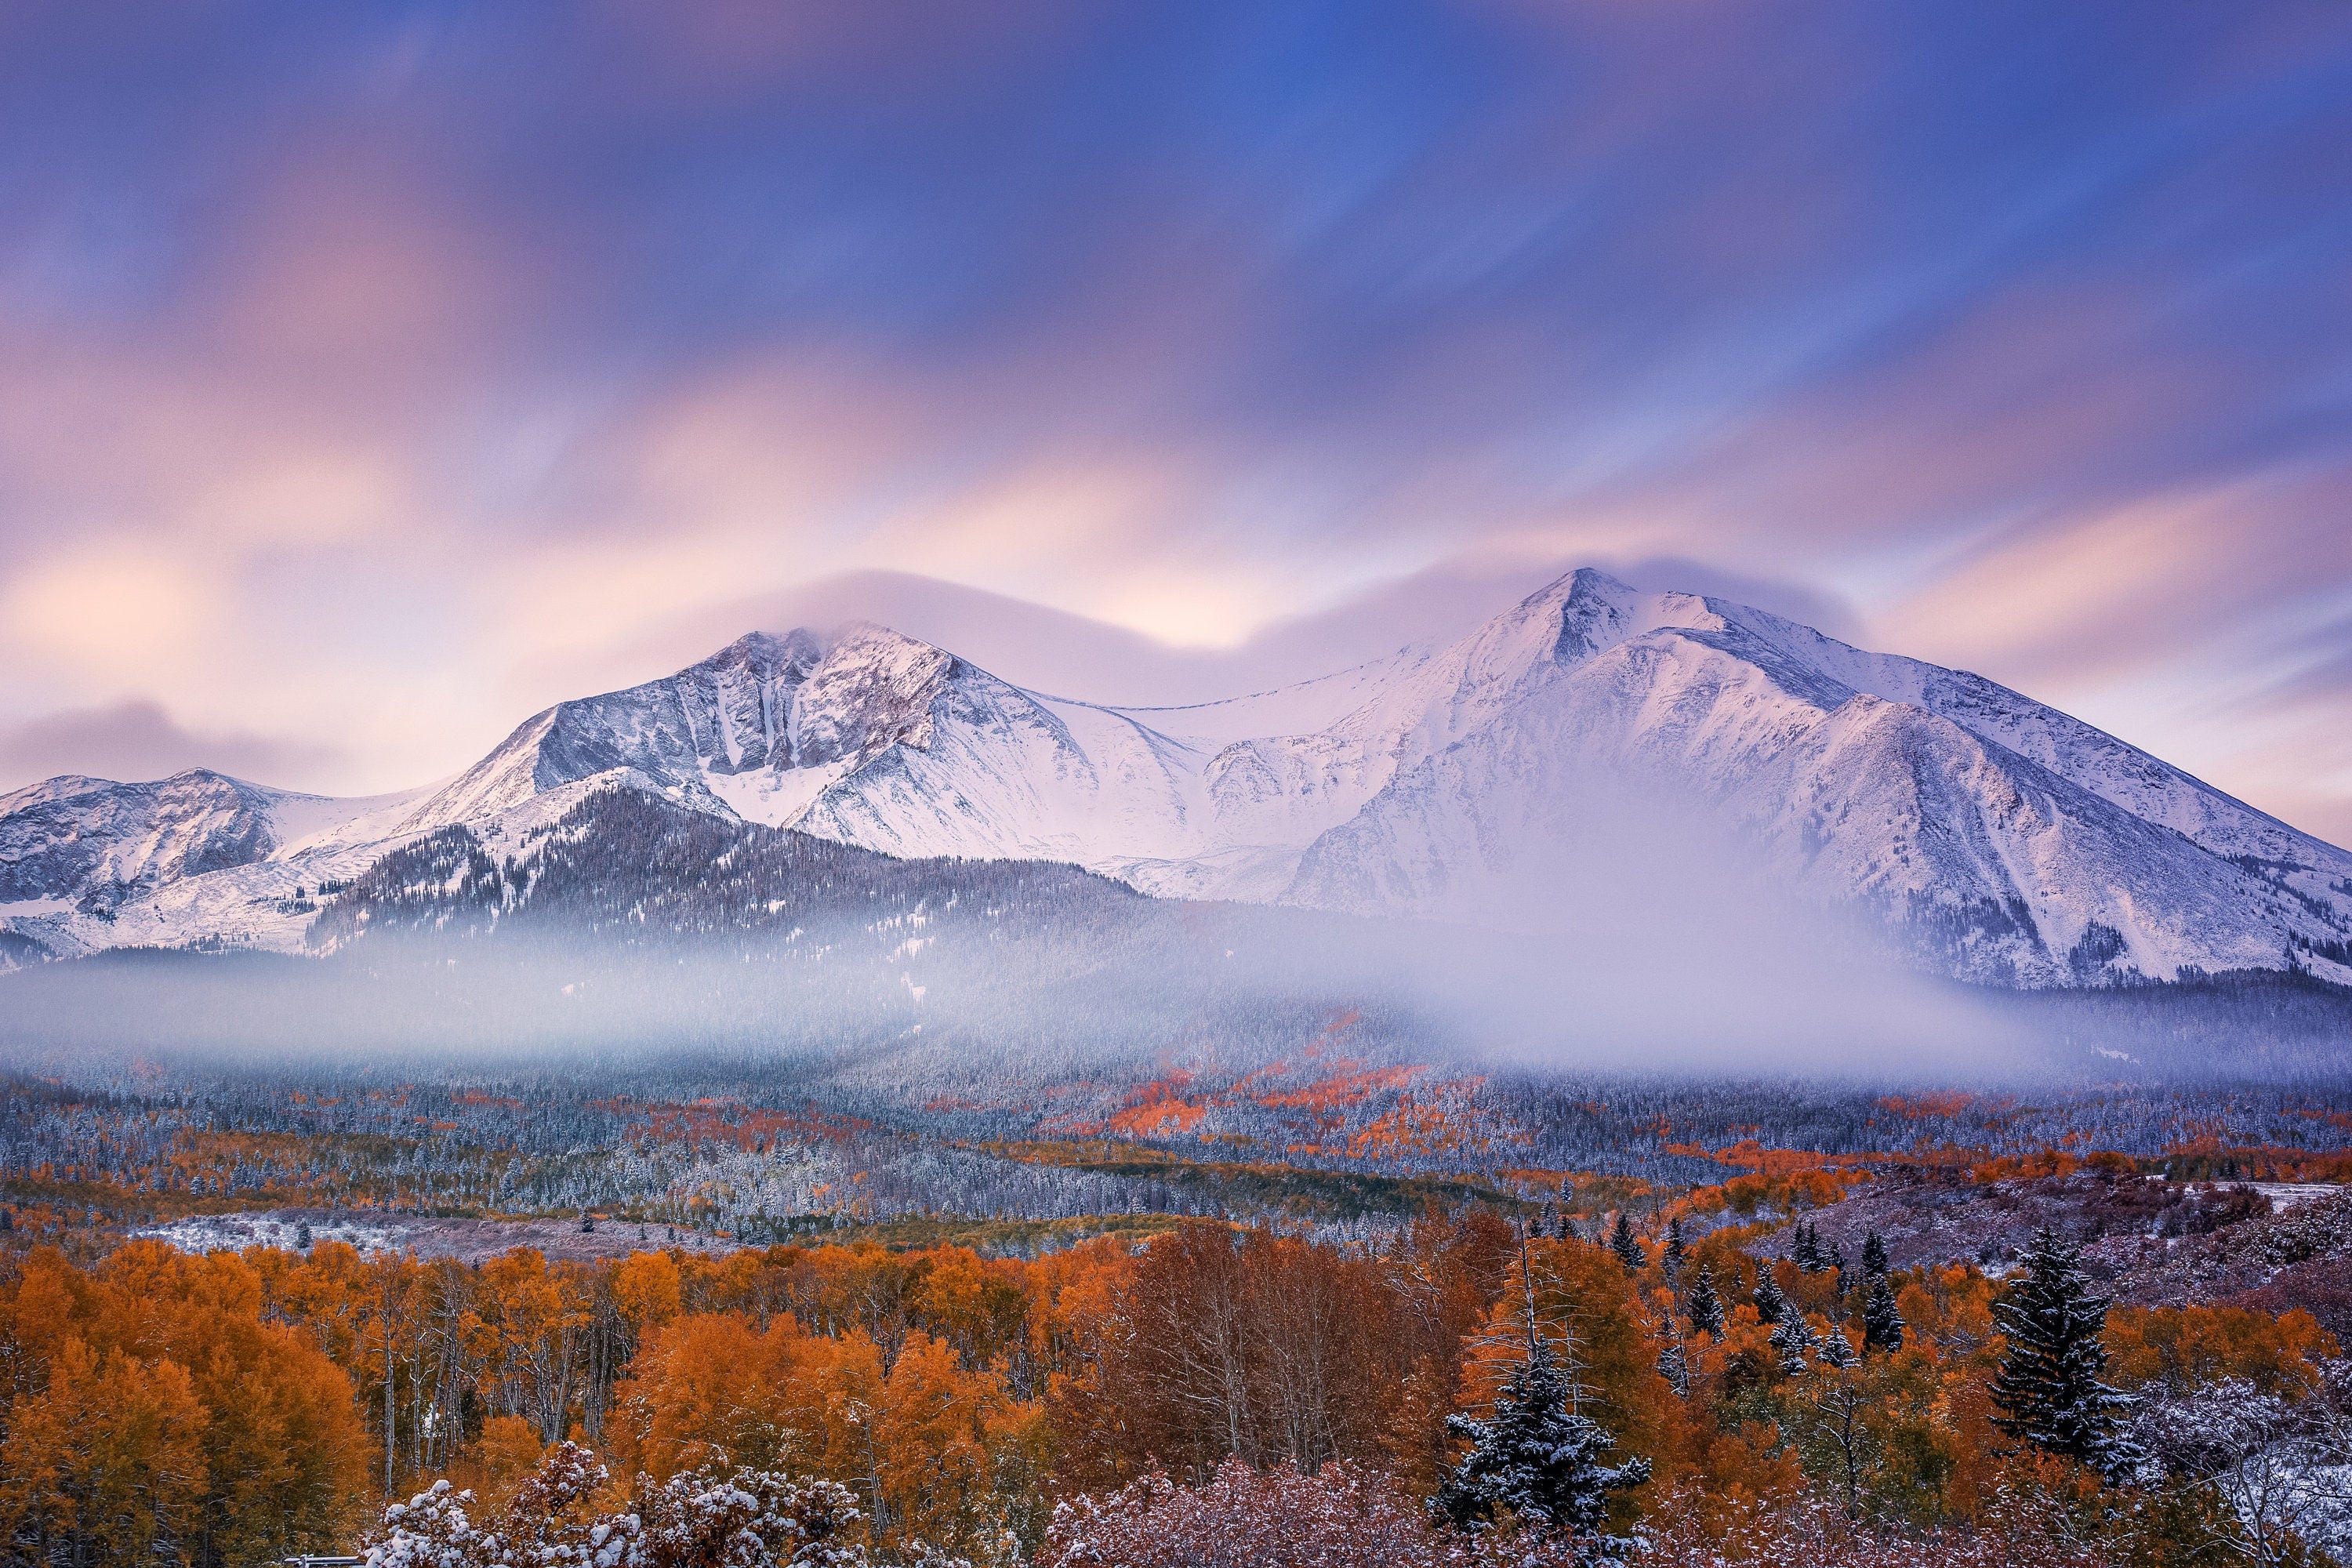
1995, 839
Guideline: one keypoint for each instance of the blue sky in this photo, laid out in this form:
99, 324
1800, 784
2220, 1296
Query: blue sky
371, 376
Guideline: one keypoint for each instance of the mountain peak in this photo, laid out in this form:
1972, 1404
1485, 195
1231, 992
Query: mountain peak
1588, 585
769, 655
1591, 583
766, 652
872, 634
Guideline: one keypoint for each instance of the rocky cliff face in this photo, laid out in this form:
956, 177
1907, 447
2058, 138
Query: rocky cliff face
93, 842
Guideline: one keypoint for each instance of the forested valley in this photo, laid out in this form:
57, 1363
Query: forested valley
1402, 1319
563, 1215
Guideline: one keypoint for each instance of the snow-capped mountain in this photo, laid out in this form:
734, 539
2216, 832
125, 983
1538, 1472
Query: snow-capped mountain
2001, 840
90, 863
869, 738
97, 842
1995, 838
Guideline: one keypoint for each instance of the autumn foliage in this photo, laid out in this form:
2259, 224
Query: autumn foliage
155, 1414
1220, 1395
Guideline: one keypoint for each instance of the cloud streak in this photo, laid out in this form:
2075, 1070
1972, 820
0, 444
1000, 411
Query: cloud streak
370, 378
140, 740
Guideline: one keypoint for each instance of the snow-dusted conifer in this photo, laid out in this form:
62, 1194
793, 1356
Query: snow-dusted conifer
1537, 1460
1621, 1243
1796, 1341
2047, 1388
1806, 1248
1882, 1325
1674, 1367
1536, 1457
1706, 1307
1769, 1303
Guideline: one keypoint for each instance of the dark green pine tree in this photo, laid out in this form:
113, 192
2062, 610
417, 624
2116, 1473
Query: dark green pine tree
1873, 1253
1806, 1248
1882, 1325
2048, 1387
1705, 1307
1538, 1460
1621, 1243
1844, 1273
1676, 1255
1769, 1302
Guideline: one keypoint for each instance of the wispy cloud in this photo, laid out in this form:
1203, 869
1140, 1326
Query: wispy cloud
140, 740
374, 376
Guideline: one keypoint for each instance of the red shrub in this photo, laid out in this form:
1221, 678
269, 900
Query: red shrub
1811, 1533
1342, 1517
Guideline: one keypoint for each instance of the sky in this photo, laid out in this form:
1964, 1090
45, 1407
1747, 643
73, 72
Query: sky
373, 376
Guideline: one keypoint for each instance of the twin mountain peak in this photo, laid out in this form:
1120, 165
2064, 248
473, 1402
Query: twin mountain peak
1990, 837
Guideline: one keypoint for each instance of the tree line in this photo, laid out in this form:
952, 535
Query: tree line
1479, 1385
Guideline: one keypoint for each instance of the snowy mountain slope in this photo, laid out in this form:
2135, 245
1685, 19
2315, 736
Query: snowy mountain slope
722, 716
88, 863
97, 842
1995, 838
1270, 797
1004, 773
1593, 613
2152, 790
1876, 780
1982, 862
870, 738
59, 788
1299, 708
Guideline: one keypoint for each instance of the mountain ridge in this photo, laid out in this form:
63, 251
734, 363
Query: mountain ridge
1991, 838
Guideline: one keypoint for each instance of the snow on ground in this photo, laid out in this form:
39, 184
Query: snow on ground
306, 823
467, 1240
236, 1232
2325, 969
32, 907
2288, 1195
776, 797
1295, 710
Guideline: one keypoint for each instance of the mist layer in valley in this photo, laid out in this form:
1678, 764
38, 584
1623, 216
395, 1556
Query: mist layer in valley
1610, 930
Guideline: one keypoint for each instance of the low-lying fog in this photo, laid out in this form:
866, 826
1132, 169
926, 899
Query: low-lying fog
1626, 931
